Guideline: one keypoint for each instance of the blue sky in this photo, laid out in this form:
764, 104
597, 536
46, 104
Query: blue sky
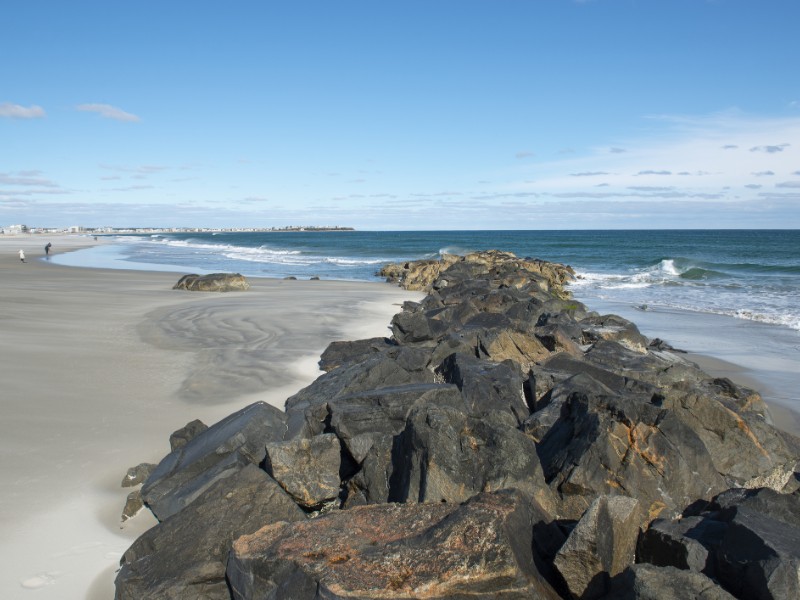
435, 114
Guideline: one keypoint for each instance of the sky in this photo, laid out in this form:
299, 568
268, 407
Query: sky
401, 115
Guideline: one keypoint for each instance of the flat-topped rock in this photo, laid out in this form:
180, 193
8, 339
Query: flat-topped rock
213, 282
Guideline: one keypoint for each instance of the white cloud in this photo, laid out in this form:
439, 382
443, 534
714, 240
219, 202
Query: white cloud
15, 111
27, 178
677, 146
108, 112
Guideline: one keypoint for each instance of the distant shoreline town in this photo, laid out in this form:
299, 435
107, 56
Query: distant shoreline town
24, 229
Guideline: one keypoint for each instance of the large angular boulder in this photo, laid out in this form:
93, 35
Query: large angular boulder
445, 455
621, 444
687, 543
759, 554
602, 545
308, 469
747, 539
648, 582
185, 434
184, 557
307, 410
361, 417
215, 453
482, 548
344, 352
487, 386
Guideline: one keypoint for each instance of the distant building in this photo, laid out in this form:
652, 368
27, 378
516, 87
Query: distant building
15, 229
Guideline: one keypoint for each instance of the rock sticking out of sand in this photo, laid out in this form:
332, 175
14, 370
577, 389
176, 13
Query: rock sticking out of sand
214, 282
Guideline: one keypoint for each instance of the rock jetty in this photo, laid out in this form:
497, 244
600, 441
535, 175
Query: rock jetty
504, 442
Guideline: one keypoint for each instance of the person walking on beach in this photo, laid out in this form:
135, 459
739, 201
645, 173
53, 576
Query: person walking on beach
47, 249
22, 255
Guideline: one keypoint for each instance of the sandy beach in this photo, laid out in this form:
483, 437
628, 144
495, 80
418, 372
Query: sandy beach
100, 366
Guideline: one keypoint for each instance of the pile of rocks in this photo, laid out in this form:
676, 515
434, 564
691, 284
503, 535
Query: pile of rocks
505, 442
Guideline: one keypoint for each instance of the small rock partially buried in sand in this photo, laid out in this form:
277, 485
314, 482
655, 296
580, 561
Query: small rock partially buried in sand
214, 282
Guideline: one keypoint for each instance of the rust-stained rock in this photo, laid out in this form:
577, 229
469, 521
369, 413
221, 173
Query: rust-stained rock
308, 469
480, 549
505, 267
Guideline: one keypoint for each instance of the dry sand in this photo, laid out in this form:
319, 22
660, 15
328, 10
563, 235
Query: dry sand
98, 367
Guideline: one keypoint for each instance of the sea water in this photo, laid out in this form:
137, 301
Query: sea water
732, 294
752, 275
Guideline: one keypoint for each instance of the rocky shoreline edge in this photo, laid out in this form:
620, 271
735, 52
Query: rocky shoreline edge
505, 442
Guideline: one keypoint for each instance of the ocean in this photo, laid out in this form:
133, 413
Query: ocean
732, 294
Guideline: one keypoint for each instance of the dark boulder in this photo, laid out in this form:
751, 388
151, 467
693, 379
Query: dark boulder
216, 453
649, 582
602, 545
358, 418
487, 386
307, 410
686, 543
748, 540
445, 455
340, 353
186, 433
621, 444
759, 555
183, 557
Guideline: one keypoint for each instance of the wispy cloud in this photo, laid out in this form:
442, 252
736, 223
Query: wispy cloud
769, 149
730, 147
138, 170
588, 174
26, 178
763, 173
16, 111
651, 172
524, 154
788, 184
108, 112
617, 150
132, 188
